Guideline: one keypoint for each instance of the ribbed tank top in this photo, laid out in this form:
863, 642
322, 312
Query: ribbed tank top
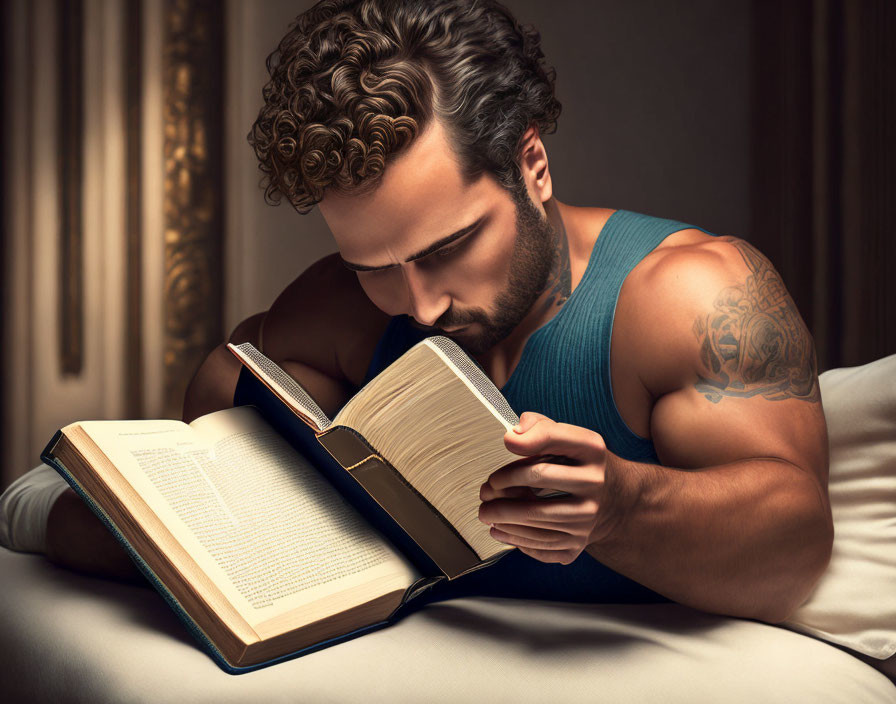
564, 373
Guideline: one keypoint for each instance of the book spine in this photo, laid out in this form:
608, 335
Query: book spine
397, 497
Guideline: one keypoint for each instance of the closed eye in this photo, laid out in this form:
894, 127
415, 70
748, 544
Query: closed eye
446, 251
439, 254
456, 245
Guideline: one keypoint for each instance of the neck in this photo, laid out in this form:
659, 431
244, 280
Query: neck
559, 285
557, 290
559, 281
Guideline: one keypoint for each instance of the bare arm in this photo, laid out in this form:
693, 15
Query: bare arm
736, 520
78, 541
212, 387
743, 526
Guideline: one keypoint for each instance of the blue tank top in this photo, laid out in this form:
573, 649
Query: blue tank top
564, 373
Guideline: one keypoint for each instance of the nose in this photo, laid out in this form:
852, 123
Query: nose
425, 303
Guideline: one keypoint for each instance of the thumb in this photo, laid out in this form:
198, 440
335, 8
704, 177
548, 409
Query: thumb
527, 421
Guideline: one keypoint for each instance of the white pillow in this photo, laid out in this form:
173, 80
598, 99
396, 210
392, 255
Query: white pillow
25, 506
854, 603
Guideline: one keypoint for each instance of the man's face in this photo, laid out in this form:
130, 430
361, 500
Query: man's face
463, 259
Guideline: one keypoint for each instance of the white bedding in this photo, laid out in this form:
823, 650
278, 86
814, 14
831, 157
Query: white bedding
67, 637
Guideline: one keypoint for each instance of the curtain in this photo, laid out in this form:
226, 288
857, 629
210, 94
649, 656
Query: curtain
823, 167
113, 211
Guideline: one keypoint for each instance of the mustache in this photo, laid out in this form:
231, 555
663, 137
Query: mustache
451, 319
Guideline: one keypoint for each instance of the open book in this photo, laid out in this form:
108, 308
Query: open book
273, 530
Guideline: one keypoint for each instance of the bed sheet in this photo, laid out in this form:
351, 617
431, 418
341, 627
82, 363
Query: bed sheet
68, 637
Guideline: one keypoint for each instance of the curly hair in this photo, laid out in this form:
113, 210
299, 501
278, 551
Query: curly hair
353, 83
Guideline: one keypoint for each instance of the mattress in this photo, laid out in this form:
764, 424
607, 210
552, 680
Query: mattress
74, 638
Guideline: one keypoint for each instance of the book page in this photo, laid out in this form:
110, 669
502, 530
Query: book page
435, 429
282, 384
256, 516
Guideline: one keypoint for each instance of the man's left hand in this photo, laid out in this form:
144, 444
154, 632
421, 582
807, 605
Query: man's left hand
550, 529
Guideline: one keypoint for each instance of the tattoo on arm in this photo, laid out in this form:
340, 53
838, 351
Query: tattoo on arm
754, 341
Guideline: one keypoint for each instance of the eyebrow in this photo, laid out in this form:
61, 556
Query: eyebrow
437, 245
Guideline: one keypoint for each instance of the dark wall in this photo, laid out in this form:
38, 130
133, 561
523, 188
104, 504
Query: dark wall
655, 106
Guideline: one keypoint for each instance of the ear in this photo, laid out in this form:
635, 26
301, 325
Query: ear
534, 166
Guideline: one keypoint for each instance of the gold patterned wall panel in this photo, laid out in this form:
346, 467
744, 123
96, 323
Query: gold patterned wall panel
192, 70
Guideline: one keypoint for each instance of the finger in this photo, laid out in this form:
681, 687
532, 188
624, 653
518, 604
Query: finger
527, 420
488, 493
547, 437
540, 513
533, 537
545, 535
564, 557
583, 479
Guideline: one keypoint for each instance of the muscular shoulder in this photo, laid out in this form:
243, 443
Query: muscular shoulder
324, 320
714, 311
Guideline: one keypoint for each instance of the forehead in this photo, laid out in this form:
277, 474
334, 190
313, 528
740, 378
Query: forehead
421, 198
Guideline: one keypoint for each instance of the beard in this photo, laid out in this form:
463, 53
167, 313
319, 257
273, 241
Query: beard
531, 260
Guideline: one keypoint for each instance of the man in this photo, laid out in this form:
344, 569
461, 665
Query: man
668, 365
